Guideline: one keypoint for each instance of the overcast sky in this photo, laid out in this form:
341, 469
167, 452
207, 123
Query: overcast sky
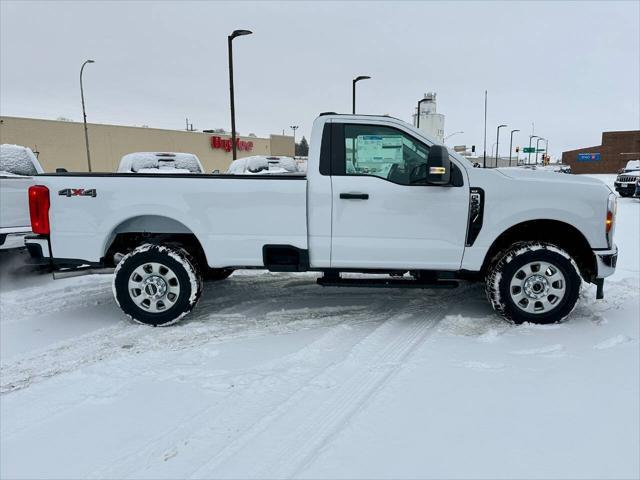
573, 68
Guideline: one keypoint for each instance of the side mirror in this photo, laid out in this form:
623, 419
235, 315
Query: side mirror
438, 166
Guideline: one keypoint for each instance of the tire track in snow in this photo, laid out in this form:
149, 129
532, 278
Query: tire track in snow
235, 317
285, 441
277, 382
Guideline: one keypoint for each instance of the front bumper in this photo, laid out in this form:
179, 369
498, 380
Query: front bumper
606, 261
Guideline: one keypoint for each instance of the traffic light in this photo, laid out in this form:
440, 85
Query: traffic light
473, 149
517, 149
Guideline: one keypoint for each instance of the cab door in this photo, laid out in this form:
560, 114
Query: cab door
382, 218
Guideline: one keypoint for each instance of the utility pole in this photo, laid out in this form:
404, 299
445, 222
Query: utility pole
84, 115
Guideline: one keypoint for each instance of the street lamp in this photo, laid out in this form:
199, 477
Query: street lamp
451, 135
511, 145
529, 153
234, 34
420, 102
294, 128
498, 141
537, 144
84, 114
353, 96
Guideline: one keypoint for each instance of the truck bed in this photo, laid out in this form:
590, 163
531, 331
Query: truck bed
223, 211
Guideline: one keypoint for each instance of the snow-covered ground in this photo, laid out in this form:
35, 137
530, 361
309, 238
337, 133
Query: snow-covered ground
272, 376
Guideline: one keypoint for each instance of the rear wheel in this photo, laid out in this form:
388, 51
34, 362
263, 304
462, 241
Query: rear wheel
157, 285
533, 282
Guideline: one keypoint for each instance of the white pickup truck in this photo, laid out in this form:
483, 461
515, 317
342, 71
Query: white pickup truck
379, 197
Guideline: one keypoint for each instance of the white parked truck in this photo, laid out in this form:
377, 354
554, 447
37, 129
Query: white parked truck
379, 197
18, 165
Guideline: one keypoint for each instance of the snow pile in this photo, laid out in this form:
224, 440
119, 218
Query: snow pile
18, 160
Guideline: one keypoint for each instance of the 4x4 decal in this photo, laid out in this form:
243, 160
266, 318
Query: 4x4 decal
77, 192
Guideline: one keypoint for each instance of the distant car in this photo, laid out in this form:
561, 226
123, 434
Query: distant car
263, 165
625, 183
18, 165
160, 162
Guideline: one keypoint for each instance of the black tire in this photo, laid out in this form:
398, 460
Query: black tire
625, 194
217, 274
510, 268
177, 272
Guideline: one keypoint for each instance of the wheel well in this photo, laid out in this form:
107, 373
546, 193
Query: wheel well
155, 229
561, 234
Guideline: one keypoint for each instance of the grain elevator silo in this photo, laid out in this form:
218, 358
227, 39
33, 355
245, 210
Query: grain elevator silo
427, 119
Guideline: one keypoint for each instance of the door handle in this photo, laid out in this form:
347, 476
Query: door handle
355, 196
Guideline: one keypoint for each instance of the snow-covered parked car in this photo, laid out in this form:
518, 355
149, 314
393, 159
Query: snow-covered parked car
264, 165
625, 183
160, 162
18, 165
379, 197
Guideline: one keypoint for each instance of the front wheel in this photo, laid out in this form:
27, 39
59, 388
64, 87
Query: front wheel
157, 285
533, 282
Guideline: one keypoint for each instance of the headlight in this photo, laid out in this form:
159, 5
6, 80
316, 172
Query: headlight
610, 220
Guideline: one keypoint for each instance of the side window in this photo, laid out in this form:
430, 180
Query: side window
383, 152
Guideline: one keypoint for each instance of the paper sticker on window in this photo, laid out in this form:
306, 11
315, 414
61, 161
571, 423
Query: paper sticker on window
437, 170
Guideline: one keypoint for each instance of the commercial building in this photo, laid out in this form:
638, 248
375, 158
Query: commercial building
62, 144
616, 149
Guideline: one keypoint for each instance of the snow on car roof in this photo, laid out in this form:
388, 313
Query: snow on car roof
18, 160
137, 161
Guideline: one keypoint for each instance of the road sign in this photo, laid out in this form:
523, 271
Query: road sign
529, 150
588, 157
541, 150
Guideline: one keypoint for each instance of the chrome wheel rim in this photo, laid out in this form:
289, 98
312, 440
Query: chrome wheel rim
537, 287
154, 287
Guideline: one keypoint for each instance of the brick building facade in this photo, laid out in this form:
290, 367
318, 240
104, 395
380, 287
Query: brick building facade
616, 150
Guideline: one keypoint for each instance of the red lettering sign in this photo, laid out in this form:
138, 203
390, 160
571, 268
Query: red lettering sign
226, 145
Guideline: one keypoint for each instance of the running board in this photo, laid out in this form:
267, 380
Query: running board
78, 272
384, 283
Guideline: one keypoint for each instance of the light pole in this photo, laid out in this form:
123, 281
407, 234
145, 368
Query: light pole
84, 114
511, 145
353, 96
420, 102
234, 34
498, 141
294, 128
529, 154
451, 135
537, 144
484, 155
546, 149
